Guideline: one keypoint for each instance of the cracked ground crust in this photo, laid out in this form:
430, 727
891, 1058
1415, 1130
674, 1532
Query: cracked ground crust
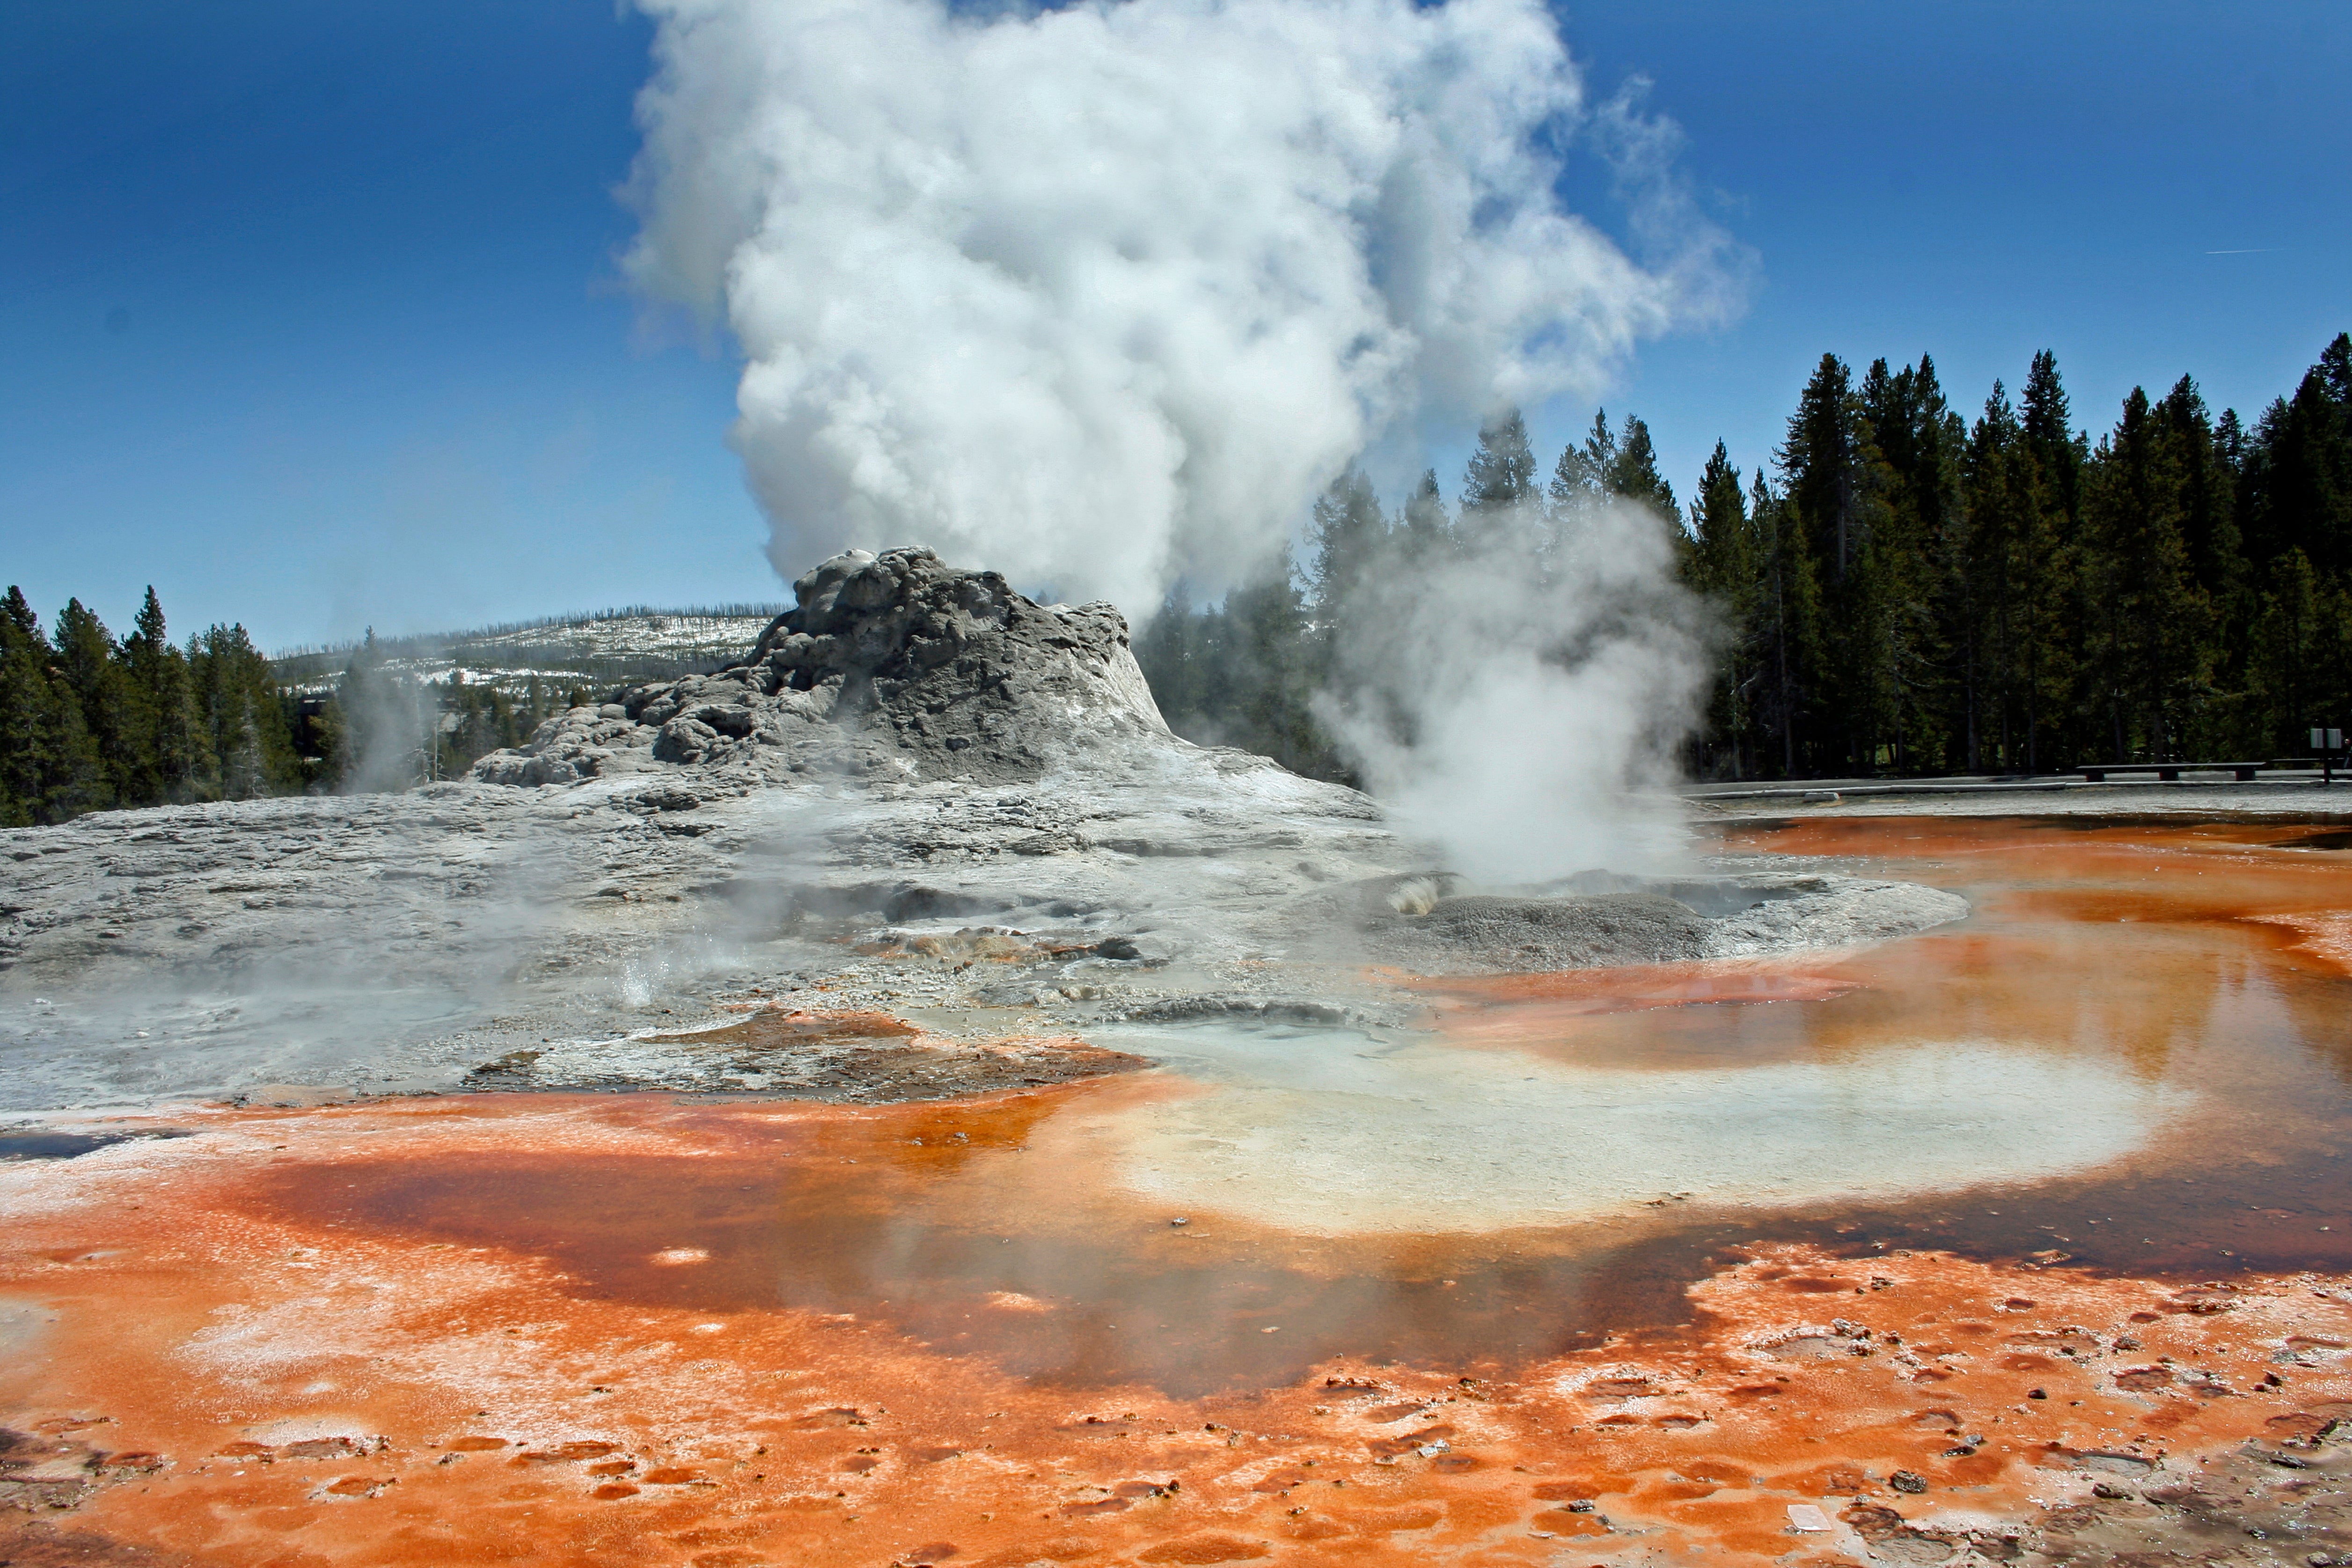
867, 1057
304, 1375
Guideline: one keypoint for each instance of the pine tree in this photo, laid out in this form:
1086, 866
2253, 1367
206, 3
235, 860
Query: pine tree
2206, 485
537, 704
1580, 479
1164, 650
244, 721
1724, 565
1427, 531
1779, 695
2298, 482
1920, 550
1350, 535
1836, 496
49, 772
2149, 615
25, 699
89, 665
1723, 562
2202, 487
2058, 448
1498, 492
1502, 471
2286, 661
178, 760
1272, 674
2051, 638
1633, 473
1822, 459
1997, 480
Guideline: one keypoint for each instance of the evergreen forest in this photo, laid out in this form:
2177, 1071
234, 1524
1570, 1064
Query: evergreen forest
1902, 590
88, 722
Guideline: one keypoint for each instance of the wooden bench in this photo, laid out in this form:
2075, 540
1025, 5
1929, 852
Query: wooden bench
2169, 773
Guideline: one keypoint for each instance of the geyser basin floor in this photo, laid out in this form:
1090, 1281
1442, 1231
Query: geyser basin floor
820, 1334
1426, 1139
572, 1331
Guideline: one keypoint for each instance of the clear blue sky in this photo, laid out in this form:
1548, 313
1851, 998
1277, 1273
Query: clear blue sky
309, 313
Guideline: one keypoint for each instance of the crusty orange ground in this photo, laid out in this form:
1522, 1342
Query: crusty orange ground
633, 1329
491, 1408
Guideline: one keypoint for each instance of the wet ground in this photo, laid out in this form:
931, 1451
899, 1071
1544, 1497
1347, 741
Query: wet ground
572, 1328
816, 1054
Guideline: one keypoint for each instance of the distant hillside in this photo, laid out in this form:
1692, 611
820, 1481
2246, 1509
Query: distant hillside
608, 648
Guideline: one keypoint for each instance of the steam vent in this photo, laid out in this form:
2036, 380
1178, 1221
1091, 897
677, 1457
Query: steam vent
891, 1101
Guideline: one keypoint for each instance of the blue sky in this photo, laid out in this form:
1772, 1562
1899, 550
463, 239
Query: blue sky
309, 314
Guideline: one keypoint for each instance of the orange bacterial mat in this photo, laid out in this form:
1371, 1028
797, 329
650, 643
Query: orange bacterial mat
576, 1329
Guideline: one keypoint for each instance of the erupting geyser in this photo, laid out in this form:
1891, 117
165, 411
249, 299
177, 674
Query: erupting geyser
890, 1098
927, 842
1104, 294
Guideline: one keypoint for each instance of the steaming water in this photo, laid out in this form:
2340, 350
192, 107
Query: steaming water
2133, 1056
1102, 295
1337, 1137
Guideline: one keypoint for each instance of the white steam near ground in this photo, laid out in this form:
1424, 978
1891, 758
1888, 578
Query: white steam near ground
1521, 706
1103, 296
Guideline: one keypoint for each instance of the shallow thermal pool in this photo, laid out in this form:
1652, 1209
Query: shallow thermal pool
2134, 1055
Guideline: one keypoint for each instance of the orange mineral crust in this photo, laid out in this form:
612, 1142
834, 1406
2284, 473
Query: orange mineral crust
1638, 987
247, 1347
2088, 867
644, 1328
2083, 935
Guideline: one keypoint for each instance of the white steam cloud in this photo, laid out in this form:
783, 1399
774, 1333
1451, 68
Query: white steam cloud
1519, 701
1104, 295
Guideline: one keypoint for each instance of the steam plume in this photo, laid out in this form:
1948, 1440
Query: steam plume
1102, 295
1518, 700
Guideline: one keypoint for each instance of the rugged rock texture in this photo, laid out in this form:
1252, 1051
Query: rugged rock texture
1424, 923
862, 1058
896, 666
347, 940
1486, 933
920, 793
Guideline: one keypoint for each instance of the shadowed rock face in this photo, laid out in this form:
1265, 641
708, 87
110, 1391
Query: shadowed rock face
896, 664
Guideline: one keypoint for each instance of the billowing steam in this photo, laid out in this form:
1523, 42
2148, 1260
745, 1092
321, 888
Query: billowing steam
1518, 700
1103, 295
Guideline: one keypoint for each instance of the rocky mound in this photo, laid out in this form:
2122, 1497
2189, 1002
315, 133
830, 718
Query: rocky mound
909, 751
1519, 934
1419, 923
897, 666
870, 1057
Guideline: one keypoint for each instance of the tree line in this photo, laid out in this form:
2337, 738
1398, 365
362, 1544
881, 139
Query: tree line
88, 722
1899, 591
